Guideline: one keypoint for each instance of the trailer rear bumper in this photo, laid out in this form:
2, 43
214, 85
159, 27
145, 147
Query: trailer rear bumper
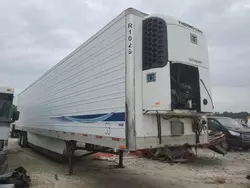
169, 141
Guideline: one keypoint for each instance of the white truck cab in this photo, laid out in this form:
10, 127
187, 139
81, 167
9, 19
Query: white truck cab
7, 116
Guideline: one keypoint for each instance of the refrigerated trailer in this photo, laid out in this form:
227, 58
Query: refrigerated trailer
140, 82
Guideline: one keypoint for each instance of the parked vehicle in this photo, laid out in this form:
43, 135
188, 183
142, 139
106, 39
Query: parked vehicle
7, 116
237, 135
140, 82
13, 132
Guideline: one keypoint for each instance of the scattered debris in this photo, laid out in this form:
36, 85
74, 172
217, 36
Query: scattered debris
18, 177
248, 177
184, 153
104, 156
175, 154
215, 180
100, 155
217, 143
220, 180
56, 177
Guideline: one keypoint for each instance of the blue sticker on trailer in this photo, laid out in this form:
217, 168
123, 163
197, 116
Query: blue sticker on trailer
93, 118
151, 77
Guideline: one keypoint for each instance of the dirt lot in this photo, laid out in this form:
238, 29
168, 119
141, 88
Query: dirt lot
208, 170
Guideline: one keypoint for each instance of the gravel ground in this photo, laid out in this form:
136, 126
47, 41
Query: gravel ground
208, 170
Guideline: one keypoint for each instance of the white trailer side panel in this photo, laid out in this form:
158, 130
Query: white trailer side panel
84, 93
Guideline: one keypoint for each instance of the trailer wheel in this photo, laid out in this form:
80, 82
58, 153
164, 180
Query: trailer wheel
20, 138
24, 139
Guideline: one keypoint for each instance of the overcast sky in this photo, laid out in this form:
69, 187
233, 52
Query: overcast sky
36, 34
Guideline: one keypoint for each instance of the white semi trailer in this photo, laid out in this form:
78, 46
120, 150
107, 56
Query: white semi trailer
140, 82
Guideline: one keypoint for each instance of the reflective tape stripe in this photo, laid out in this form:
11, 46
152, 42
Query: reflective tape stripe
116, 139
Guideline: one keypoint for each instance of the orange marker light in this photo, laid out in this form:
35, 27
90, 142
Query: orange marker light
121, 146
158, 103
8, 89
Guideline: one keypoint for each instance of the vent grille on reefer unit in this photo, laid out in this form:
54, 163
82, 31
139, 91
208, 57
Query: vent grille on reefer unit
155, 52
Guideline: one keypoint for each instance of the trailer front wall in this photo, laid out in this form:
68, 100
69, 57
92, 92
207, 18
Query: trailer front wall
146, 123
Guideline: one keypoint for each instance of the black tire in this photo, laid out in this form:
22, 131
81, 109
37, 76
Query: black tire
24, 139
20, 139
246, 148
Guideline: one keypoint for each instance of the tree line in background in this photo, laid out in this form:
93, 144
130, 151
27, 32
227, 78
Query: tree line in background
235, 115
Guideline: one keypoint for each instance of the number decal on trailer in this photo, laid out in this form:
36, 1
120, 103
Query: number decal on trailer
107, 129
130, 38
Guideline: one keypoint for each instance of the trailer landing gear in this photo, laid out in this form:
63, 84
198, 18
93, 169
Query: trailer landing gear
70, 149
120, 164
